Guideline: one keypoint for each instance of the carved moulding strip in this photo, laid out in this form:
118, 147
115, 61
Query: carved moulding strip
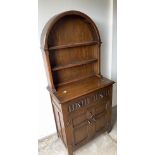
88, 100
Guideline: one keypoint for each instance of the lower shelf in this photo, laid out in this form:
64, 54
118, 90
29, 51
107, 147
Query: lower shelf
74, 64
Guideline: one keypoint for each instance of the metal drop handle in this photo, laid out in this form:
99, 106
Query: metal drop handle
89, 121
94, 119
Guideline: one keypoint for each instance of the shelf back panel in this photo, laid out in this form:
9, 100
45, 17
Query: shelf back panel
71, 43
71, 29
73, 74
68, 56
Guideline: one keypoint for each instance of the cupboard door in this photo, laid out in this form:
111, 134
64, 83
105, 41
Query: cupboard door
80, 129
89, 122
100, 117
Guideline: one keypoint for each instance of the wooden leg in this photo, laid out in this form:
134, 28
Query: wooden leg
70, 150
109, 127
109, 130
55, 119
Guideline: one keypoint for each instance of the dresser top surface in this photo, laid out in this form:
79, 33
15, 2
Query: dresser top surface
76, 89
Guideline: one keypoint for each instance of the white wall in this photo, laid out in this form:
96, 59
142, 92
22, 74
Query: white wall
114, 43
101, 11
114, 53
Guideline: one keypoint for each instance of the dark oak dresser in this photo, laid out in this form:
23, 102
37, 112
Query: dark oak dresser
81, 98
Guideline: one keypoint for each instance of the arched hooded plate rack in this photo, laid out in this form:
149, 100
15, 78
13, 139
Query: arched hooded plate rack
70, 43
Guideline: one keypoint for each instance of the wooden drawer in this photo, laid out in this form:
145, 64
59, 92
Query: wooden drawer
95, 97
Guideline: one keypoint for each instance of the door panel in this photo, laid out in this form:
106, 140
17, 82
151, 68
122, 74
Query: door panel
80, 133
90, 122
79, 119
101, 117
100, 122
80, 129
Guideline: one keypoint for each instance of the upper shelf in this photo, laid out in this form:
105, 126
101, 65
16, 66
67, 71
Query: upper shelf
74, 45
75, 64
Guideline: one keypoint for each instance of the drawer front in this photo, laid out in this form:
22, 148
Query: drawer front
95, 97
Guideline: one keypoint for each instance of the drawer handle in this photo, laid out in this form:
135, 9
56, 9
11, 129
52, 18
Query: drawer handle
89, 122
94, 119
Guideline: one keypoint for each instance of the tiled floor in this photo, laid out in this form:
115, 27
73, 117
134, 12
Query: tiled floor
105, 144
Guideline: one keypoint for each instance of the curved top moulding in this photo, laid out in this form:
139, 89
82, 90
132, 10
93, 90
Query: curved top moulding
71, 27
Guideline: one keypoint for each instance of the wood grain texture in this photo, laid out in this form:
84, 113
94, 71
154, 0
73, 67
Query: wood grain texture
80, 88
74, 64
74, 45
81, 98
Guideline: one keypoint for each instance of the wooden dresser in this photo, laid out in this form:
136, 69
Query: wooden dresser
81, 98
